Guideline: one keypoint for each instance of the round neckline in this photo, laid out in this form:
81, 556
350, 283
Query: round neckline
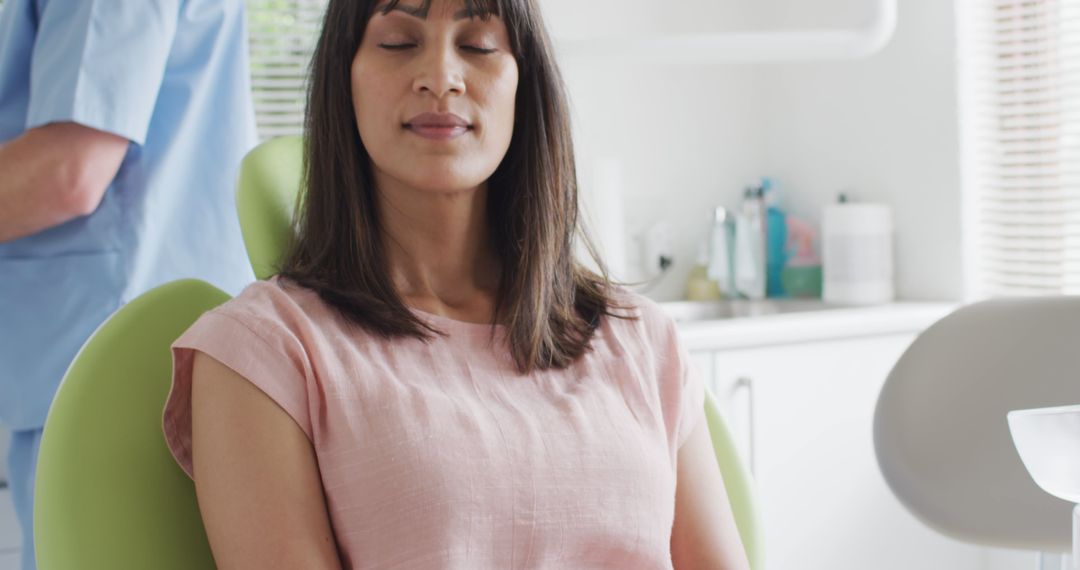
454, 324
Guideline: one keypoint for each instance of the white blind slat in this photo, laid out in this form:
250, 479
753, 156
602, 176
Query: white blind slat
1021, 88
281, 39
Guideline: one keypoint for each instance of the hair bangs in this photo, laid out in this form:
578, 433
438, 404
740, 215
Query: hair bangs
482, 9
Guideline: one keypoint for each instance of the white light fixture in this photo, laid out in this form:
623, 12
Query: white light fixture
742, 47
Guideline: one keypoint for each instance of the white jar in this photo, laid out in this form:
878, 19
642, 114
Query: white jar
857, 254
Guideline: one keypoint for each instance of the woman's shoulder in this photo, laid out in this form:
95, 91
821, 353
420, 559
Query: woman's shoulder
645, 314
275, 301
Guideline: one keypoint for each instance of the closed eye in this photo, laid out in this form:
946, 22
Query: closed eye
403, 47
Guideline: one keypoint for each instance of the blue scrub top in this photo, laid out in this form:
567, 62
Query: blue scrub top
172, 77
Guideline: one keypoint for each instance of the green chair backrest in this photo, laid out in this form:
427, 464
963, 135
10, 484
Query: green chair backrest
270, 178
739, 483
108, 494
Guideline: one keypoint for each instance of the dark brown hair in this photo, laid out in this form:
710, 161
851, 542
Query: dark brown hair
550, 303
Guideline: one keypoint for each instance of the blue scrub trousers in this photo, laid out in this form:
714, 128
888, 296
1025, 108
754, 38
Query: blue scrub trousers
22, 463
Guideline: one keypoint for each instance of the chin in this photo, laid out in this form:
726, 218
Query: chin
449, 189
445, 181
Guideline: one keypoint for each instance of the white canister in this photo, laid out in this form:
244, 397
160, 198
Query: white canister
857, 254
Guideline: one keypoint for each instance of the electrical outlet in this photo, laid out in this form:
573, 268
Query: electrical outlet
656, 250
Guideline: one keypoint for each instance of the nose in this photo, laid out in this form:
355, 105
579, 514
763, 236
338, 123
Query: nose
440, 71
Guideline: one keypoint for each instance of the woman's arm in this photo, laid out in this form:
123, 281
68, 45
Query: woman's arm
704, 536
256, 477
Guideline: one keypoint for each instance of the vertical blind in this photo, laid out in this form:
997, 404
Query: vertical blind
282, 35
1020, 93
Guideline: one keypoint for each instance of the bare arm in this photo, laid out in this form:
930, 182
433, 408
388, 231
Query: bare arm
704, 535
256, 477
53, 174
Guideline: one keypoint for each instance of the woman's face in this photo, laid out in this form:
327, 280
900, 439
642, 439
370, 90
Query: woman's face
434, 95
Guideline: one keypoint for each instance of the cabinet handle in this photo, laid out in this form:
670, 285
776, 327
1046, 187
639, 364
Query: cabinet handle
747, 384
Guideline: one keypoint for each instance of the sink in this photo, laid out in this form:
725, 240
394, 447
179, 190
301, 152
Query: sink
694, 311
1048, 441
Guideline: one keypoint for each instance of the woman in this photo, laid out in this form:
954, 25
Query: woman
432, 381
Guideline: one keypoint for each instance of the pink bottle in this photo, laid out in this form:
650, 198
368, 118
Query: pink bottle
801, 276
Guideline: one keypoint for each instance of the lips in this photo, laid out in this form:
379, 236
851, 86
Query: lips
438, 126
443, 120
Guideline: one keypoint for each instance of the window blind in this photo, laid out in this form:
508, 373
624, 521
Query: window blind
1020, 107
282, 36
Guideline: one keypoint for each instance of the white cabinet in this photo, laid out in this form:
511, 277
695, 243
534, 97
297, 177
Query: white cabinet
825, 504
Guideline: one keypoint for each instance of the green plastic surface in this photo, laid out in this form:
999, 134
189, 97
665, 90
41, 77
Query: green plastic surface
108, 495
739, 483
270, 178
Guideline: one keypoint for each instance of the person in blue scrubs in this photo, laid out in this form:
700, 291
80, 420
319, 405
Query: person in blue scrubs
122, 126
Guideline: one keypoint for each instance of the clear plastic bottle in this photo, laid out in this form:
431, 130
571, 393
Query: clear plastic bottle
750, 267
721, 237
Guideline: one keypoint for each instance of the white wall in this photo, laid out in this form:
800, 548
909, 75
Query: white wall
691, 137
687, 137
887, 128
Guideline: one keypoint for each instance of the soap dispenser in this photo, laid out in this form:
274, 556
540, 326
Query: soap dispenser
699, 286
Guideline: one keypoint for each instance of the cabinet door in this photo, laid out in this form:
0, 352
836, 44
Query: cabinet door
825, 504
734, 395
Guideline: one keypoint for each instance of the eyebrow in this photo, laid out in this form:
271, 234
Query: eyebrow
420, 12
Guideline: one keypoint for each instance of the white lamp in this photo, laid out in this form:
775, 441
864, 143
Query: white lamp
1048, 440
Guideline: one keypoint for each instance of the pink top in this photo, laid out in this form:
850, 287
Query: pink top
441, 456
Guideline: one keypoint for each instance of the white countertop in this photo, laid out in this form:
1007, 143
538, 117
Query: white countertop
810, 326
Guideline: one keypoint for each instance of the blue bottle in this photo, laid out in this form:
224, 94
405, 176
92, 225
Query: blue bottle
776, 240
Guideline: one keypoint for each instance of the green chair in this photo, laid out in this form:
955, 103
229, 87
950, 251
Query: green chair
738, 482
270, 178
109, 495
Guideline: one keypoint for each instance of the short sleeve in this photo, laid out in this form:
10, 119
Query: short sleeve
100, 63
265, 353
682, 385
692, 402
